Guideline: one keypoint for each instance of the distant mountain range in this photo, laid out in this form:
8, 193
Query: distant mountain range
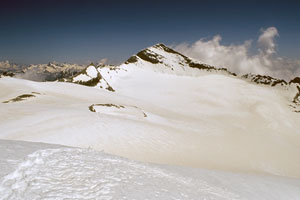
42, 72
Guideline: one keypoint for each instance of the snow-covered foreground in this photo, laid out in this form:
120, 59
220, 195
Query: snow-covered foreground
43, 171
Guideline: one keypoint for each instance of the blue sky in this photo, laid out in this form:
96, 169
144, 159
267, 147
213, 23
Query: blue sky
80, 31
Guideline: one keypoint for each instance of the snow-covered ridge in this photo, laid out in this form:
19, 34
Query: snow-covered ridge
293, 86
91, 76
265, 80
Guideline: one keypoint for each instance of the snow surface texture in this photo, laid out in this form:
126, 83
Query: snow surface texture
13, 153
199, 118
72, 173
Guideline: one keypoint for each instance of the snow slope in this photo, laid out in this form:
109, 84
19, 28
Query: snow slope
56, 172
188, 114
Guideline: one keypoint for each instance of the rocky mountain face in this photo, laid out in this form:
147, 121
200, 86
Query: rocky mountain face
295, 80
265, 80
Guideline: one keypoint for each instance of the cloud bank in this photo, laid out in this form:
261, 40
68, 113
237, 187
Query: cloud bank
237, 58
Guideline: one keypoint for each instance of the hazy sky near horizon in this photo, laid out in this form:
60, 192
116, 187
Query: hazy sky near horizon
33, 31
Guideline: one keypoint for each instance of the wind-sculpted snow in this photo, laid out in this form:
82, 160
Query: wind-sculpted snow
86, 174
54, 172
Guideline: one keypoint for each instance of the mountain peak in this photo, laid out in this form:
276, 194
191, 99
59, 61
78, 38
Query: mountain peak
92, 64
153, 54
163, 46
164, 58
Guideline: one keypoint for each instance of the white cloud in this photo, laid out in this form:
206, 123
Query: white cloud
266, 40
237, 58
107, 61
103, 61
